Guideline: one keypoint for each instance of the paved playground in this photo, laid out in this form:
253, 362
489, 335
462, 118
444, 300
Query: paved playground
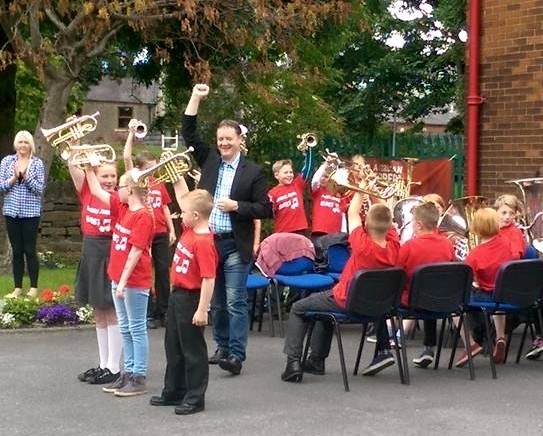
40, 395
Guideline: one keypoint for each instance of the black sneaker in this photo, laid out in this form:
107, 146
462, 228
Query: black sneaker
88, 374
425, 359
104, 378
219, 354
383, 360
118, 384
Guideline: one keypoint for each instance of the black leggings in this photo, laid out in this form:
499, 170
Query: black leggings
22, 233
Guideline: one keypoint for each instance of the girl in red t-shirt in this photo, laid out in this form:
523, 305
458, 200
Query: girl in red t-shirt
327, 216
130, 272
92, 284
164, 237
509, 207
486, 259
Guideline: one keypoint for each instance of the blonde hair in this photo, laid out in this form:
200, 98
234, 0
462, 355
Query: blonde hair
198, 200
276, 167
379, 219
509, 200
144, 157
25, 136
140, 191
436, 199
485, 223
427, 214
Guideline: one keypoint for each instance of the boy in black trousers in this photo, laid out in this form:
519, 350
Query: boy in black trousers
193, 277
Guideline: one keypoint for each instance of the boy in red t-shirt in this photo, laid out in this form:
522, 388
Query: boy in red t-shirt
326, 214
130, 272
486, 259
193, 277
426, 246
508, 208
375, 246
287, 196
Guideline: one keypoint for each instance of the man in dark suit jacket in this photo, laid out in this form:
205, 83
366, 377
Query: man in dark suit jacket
239, 192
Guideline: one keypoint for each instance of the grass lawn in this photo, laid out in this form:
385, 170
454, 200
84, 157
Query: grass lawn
49, 278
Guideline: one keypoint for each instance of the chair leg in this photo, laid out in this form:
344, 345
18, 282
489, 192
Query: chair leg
464, 321
507, 345
398, 355
308, 341
341, 355
440, 342
454, 344
252, 310
490, 342
270, 313
522, 339
279, 312
263, 296
360, 348
404, 351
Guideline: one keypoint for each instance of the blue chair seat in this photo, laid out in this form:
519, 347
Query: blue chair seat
493, 306
311, 282
255, 281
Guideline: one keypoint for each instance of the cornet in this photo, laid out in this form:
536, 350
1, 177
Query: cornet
140, 128
308, 140
94, 155
170, 169
72, 130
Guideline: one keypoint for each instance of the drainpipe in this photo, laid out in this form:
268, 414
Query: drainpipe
474, 100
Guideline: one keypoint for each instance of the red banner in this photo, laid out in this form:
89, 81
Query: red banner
427, 176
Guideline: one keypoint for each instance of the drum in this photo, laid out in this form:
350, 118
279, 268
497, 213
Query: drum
403, 216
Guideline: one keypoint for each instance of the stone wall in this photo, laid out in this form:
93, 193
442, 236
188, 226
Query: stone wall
59, 227
511, 141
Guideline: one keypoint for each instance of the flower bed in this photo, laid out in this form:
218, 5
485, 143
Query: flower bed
50, 308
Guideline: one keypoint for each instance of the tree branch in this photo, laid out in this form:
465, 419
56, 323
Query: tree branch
55, 19
101, 45
34, 24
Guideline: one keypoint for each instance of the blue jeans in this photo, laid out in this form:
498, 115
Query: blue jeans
132, 318
229, 306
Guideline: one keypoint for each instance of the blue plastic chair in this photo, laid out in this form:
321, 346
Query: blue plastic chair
519, 288
338, 255
298, 274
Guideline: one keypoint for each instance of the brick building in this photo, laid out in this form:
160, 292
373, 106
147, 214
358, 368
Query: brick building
511, 80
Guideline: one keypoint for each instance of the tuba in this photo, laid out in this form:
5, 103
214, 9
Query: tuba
170, 169
93, 155
72, 130
456, 221
403, 216
531, 190
308, 140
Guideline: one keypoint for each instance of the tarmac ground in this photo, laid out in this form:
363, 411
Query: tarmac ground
40, 394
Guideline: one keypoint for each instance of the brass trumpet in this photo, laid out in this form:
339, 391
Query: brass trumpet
140, 128
72, 130
308, 140
95, 155
170, 169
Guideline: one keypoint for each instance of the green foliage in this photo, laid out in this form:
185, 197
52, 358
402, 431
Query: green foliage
23, 309
30, 95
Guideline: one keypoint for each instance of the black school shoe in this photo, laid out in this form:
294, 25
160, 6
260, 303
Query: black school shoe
189, 409
218, 355
105, 377
89, 374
